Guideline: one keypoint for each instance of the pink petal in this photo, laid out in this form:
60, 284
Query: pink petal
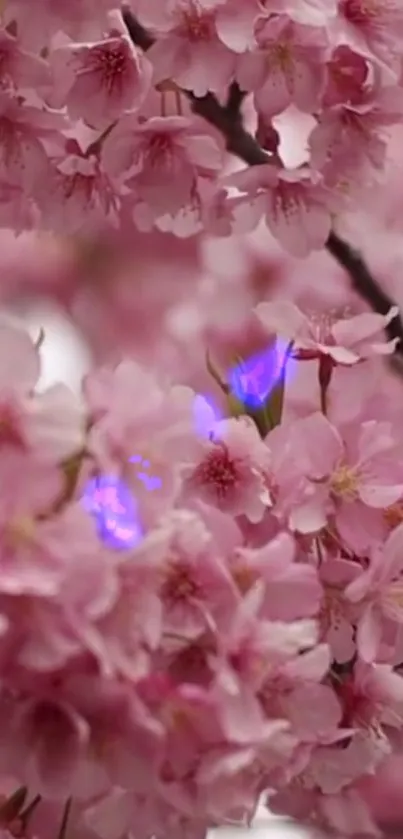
369, 634
320, 445
283, 318
359, 328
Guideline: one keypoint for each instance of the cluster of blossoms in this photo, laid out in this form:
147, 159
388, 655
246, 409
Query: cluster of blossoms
100, 129
233, 632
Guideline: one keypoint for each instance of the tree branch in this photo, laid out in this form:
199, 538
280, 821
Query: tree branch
365, 284
228, 120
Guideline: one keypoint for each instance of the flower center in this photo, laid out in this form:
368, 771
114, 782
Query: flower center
344, 482
159, 149
179, 585
280, 55
217, 471
197, 24
110, 60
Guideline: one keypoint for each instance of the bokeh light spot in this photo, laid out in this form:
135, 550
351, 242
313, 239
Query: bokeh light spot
111, 503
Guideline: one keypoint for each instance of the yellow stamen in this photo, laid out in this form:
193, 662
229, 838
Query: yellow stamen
344, 482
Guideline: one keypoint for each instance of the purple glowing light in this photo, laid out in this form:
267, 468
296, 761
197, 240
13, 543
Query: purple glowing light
110, 501
252, 381
112, 504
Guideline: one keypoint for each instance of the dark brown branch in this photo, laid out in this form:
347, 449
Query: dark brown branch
234, 102
238, 141
365, 284
227, 119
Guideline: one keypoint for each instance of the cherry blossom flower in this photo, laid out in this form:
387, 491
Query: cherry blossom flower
161, 160
200, 593
292, 202
99, 82
354, 478
189, 50
379, 588
230, 471
76, 187
377, 27
284, 69
346, 341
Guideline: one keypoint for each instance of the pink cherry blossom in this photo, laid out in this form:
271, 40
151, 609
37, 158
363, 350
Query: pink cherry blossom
21, 69
347, 76
189, 50
293, 203
78, 187
200, 597
353, 479
161, 160
292, 590
23, 158
377, 27
99, 82
345, 341
284, 68
230, 470
379, 588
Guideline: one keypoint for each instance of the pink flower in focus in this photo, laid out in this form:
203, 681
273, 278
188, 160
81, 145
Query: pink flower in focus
358, 127
347, 74
196, 589
77, 194
99, 82
287, 68
376, 27
188, 49
346, 341
229, 473
235, 23
160, 160
293, 203
353, 478
23, 158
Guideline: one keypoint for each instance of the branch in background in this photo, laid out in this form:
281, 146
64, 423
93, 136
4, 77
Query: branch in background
365, 284
228, 120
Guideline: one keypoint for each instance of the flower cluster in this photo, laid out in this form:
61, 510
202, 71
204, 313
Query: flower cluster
100, 124
197, 611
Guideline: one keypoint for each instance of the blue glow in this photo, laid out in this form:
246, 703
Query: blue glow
110, 501
253, 380
112, 504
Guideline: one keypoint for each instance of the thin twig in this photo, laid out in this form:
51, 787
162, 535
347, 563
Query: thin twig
228, 120
65, 818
